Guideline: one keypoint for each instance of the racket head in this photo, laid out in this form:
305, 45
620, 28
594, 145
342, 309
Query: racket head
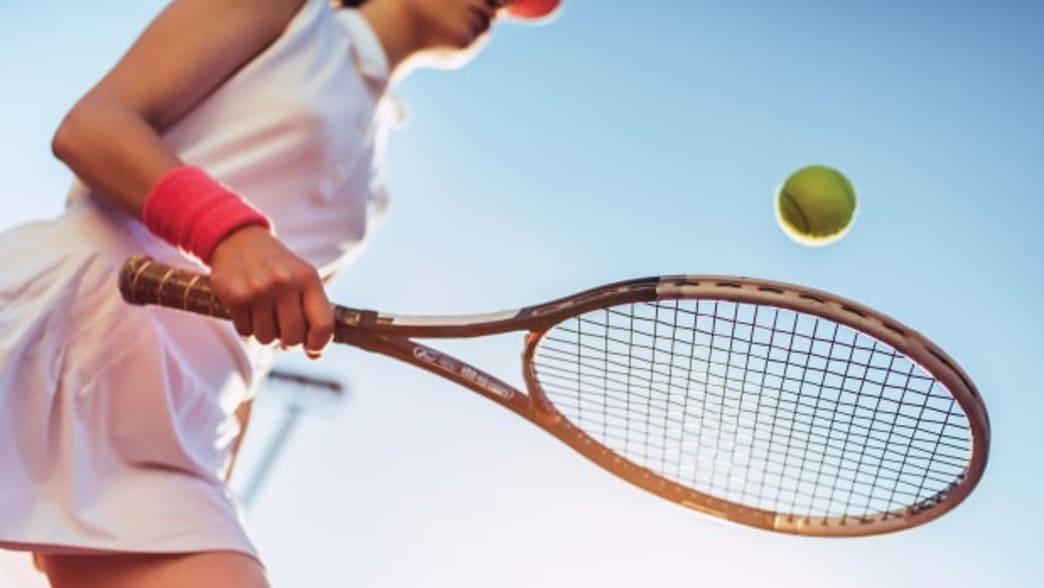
762, 403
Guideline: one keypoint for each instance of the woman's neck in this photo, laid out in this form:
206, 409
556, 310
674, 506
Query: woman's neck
396, 28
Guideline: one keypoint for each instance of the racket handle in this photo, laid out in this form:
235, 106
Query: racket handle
144, 281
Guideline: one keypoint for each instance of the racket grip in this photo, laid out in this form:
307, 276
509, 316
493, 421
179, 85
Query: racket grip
145, 281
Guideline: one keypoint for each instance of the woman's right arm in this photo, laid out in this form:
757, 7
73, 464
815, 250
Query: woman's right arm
111, 140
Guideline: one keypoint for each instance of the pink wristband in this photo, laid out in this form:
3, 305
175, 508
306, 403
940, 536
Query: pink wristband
189, 209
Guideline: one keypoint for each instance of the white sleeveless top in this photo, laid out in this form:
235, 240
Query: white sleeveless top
116, 422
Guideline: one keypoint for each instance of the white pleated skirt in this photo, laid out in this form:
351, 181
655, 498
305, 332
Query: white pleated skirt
116, 422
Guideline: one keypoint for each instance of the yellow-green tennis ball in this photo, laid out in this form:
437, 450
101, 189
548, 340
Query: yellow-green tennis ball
816, 205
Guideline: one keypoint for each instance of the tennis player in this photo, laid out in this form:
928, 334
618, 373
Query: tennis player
241, 135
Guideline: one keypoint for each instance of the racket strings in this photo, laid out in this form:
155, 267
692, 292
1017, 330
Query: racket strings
617, 395
761, 406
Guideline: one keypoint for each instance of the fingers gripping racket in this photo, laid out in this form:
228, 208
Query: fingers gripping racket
762, 403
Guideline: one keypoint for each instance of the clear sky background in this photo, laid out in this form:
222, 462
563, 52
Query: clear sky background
633, 139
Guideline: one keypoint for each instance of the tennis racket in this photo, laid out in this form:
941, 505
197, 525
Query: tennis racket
766, 404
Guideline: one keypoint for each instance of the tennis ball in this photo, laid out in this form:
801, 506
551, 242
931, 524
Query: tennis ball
815, 205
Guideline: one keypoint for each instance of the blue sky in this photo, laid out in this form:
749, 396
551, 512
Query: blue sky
632, 139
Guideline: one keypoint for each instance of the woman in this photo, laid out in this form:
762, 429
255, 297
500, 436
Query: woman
236, 134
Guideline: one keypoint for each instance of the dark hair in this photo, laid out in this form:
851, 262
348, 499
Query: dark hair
350, 3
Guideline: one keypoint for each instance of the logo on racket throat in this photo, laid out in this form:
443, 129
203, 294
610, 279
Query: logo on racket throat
462, 371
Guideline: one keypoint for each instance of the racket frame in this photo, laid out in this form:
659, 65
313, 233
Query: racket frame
393, 335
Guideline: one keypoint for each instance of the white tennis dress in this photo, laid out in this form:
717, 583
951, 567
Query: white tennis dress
116, 421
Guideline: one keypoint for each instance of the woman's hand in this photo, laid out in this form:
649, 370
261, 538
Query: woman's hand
271, 293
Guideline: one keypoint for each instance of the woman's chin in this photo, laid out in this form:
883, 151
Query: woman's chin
452, 58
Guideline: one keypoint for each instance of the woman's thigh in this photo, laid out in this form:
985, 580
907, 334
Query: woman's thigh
211, 569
